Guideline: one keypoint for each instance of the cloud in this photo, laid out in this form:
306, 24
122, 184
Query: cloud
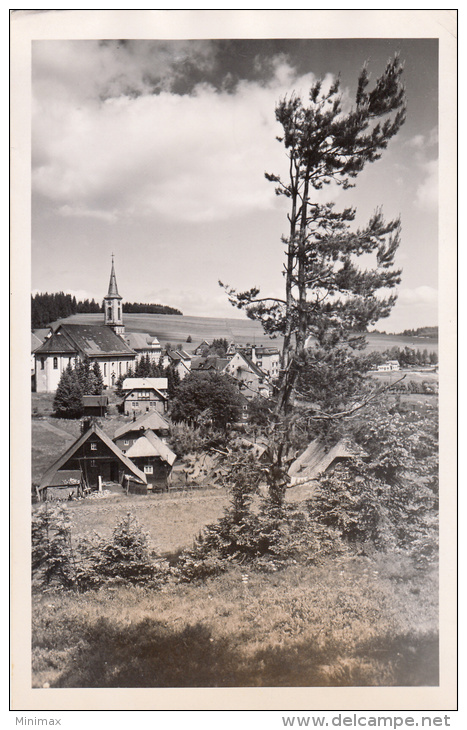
427, 191
419, 296
194, 303
106, 146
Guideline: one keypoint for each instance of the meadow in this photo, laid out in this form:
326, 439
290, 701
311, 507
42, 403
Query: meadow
353, 621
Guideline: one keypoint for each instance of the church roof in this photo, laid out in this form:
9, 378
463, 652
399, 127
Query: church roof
88, 339
113, 290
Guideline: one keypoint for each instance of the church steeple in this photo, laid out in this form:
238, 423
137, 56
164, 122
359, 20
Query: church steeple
113, 315
113, 290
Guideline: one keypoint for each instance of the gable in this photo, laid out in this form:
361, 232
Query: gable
94, 435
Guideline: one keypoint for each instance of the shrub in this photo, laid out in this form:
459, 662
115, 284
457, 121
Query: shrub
125, 557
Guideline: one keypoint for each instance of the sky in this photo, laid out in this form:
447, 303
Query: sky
155, 151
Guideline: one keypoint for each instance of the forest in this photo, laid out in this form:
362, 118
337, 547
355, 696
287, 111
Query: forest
47, 308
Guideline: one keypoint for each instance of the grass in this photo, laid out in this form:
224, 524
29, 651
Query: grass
171, 520
350, 622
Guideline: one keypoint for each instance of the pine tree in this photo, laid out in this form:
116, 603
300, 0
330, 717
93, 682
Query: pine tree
327, 295
98, 386
68, 401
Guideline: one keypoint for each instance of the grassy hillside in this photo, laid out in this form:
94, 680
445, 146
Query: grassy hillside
176, 328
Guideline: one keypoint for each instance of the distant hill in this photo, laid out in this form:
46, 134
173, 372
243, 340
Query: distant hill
431, 332
177, 328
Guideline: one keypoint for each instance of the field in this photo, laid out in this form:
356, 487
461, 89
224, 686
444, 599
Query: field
175, 328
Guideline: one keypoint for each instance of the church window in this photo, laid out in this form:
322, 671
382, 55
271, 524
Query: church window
109, 312
42, 363
55, 363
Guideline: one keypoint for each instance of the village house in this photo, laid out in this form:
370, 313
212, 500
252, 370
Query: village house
389, 366
179, 360
97, 459
142, 395
153, 457
202, 348
144, 345
266, 358
250, 378
126, 435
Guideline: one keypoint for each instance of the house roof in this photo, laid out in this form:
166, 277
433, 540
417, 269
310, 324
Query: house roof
88, 339
94, 429
211, 362
150, 445
145, 383
316, 459
141, 341
95, 400
249, 363
42, 333
35, 342
152, 420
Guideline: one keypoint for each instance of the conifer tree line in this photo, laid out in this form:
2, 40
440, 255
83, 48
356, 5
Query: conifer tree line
47, 308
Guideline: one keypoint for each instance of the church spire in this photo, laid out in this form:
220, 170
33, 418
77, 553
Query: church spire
113, 290
113, 314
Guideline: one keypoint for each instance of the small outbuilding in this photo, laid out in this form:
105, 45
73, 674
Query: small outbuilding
318, 458
95, 405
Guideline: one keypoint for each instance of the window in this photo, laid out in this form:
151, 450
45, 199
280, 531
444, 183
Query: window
148, 470
105, 368
55, 363
42, 363
93, 447
126, 442
93, 462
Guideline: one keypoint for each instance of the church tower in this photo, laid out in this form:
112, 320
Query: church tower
113, 315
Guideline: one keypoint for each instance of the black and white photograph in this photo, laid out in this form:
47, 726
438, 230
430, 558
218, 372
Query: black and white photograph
235, 268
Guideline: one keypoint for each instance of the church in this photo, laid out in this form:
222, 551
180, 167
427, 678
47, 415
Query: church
104, 344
